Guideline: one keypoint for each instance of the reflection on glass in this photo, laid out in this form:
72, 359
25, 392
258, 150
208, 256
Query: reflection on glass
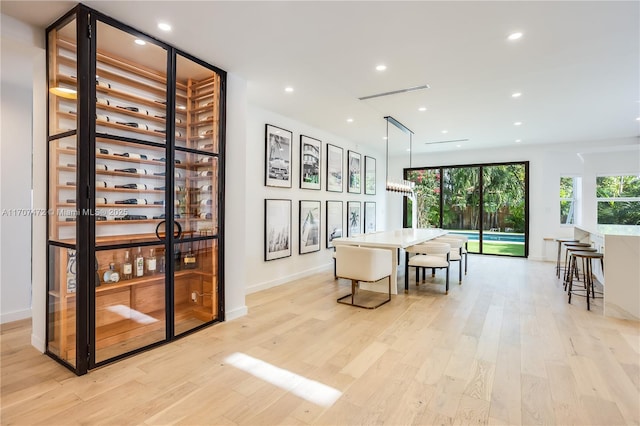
196, 282
130, 299
427, 195
196, 193
62, 190
130, 87
61, 298
197, 105
63, 84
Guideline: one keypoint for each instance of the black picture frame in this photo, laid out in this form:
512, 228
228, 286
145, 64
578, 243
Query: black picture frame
277, 229
335, 161
334, 219
354, 218
354, 172
309, 226
277, 166
369, 217
310, 163
369, 175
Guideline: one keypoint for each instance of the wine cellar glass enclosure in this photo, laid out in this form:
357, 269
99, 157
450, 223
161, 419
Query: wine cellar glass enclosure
135, 191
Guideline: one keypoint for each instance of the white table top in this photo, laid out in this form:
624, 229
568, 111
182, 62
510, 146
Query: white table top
401, 238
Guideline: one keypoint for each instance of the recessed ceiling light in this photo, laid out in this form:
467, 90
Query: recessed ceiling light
381, 67
140, 42
458, 146
445, 131
349, 120
638, 119
515, 36
517, 123
408, 149
288, 89
422, 109
518, 140
164, 26
384, 137
516, 95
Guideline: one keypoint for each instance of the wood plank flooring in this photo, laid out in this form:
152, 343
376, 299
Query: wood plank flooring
503, 348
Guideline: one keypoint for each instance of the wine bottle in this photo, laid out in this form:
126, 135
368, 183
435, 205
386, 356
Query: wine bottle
206, 173
104, 151
133, 201
132, 186
101, 200
103, 117
101, 167
205, 202
205, 147
151, 262
206, 188
127, 267
103, 101
103, 84
133, 155
160, 188
102, 184
205, 215
132, 170
139, 262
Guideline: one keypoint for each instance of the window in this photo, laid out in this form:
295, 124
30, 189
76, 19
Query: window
568, 193
618, 200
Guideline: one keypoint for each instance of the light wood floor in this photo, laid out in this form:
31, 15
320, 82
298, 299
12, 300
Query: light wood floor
503, 348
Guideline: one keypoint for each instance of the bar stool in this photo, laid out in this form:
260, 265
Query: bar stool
586, 257
561, 241
567, 246
571, 268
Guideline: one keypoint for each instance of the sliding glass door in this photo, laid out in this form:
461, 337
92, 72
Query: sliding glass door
488, 203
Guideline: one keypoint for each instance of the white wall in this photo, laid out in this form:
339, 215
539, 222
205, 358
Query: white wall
262, 274
546, 164
22, 59
235, 197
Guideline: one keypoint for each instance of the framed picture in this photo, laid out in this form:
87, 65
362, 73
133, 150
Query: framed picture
310, 153
277, 229
278, 157
369, 217
335, 221
334, 168
353, 218
309, 226
354, 172
369, 175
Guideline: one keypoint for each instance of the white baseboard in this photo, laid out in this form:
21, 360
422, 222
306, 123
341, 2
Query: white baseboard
15, 316
236, 313
541, 259
282, 280
38, 343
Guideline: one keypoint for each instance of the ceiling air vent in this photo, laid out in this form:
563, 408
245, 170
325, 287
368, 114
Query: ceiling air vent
395, 92
449, 141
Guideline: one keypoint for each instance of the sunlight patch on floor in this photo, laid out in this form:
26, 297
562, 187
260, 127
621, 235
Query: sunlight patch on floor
310, 390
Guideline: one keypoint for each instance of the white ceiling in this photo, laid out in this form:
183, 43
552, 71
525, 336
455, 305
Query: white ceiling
577, 64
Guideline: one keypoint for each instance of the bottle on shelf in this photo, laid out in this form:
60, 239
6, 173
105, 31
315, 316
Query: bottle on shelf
133, 155
189, 261
151, 262
141, 201
139, 263
132, 186
132, 170
127, 267
111, 275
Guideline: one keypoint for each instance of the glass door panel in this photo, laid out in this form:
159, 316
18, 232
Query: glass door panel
61, 298
131, 94
461, 203
427, 197
130, 300
503, 221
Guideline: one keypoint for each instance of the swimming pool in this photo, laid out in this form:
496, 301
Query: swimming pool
492, 236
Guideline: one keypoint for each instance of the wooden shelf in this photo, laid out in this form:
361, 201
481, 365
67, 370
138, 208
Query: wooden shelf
138, 115
158, 278
119, 190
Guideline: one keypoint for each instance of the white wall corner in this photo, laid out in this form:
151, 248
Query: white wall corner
236, 313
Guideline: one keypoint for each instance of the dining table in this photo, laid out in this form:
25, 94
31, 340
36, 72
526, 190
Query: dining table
393, 241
